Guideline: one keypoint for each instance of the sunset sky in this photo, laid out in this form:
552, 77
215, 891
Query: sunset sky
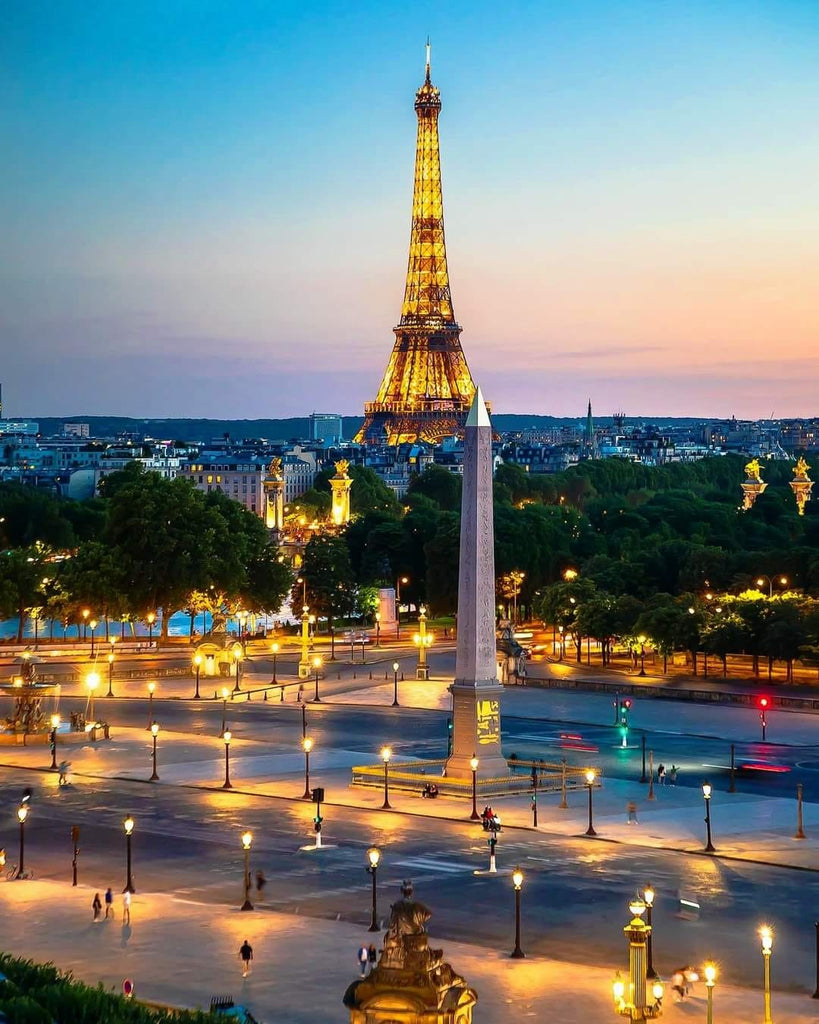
205, 204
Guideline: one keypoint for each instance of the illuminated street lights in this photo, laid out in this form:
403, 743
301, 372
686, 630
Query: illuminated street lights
591, 775
473, 764
631, 1000
378, 629
373, 857
274, 649
197, 665
238, 654
422, 641
307, 746
316, 670
22, 814
225, 695
398, 582
151, 688
386, 754
766, 935
648, 899
247, 839
642, 642
92, 681
128, 825
151, 619
706, 793
395, 667
85, 614
770, 580
111, 674
92, 625
154, 733
517, 880
55, 721
226, 737
710, 972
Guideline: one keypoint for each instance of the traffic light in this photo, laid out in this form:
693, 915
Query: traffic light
763, 704
317, 822
318, 794
625, 708
449, 737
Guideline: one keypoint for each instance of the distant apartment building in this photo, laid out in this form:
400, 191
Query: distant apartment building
326, 427
241, 476
77, 429
27, 428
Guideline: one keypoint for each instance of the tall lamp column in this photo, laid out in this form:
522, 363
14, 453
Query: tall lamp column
247, 839
128, 825
226, 737
373, 857
517, 880
386, 753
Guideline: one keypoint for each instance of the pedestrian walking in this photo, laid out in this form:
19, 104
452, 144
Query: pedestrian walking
246, 953
673, 775
363, 960
96, 906
126, 907
631, 809
109, 903
372, 954
300, 694
661, 774
261, 882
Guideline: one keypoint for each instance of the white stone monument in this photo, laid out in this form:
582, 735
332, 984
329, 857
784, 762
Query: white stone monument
476, 691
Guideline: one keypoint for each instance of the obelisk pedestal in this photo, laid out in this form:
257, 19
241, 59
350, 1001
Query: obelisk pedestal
476, 691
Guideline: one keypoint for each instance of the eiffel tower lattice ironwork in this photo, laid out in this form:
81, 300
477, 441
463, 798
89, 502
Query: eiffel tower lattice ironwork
427, 389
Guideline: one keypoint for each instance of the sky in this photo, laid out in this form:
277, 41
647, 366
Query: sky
205, 204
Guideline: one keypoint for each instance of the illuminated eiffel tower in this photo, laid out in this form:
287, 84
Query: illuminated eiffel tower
427, 389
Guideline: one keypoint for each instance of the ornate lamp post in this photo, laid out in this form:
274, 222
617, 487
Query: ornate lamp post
591, 775
85, 614
197, 665
22, 814
648, 899
128, 825
304, 660
226, 737
517, 880
225, 695
247, 840
110, 675
150, 618
422, 640
55, 721
395, 667
274, 650
386, 754
151, 688
238, 654
473, 764
637, 1006
373, 857
378, 629
770, 580
316, 670
766, 934
154, 733
92, 625
642, 641
398, 582
710, 973
706, 793
92, 681
307, 746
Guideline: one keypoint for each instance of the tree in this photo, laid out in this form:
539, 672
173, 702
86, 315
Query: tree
659, 622
441, 552
439, 485
21, 576
784, 634
328, 576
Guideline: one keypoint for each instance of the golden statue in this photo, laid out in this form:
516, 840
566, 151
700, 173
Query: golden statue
753, 471
801, 468
801, 485
341, 467
275, 468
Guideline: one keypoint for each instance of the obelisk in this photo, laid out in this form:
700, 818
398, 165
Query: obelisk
476, 691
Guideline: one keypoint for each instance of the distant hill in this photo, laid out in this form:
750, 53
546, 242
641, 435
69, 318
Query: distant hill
294, 427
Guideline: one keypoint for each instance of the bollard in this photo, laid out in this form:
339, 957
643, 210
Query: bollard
338, 674
643, 775
564, 803
732, 786
651, 775
402, 677
800, 832
371, 673
354, 676
385, 675
265, 694
248, 696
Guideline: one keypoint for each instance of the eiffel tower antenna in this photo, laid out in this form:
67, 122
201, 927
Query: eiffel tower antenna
427, 389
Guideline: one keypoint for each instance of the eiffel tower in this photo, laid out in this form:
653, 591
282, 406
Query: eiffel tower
427, 389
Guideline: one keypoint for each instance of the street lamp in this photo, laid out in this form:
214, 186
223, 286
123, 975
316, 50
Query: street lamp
55, 721
22, 814
92, 626
111, 673
766, 935
706, 793
225, 695
316, 669
591, 775
237, 659
307, 746
128, 825
648, 899
473, 764
386, 754
422, 641
642, 641
151, 688
197, 665
710, 973
247, 839
517, 880
781, 580
92, 681
154, 733
85, 614
226, 737
274, 648
378, 629
151, 619
373, 857
399, 581
395, 667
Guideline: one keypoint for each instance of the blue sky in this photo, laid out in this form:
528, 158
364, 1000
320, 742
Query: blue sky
205, 205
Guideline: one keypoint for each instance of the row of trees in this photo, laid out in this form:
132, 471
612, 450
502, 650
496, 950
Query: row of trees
148, 545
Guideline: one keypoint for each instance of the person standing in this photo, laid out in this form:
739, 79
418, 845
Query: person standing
673, 774
109, 903
372, 954
246, 954
363, 960
661, 774
96, 906
126, 908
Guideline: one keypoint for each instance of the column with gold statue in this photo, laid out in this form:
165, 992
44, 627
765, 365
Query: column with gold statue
274, 495
801, 485
753, 485
340, 485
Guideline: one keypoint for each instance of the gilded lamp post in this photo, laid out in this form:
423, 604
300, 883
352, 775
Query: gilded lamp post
304, 660
632, 1000
423, 641
801, 485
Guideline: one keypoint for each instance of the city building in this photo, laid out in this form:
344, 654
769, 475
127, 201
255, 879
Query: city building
326, 427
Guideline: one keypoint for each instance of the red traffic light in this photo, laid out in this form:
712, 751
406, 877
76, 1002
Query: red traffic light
763, 702
627, 704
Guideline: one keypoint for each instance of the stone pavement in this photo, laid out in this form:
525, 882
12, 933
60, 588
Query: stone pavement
302, 966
